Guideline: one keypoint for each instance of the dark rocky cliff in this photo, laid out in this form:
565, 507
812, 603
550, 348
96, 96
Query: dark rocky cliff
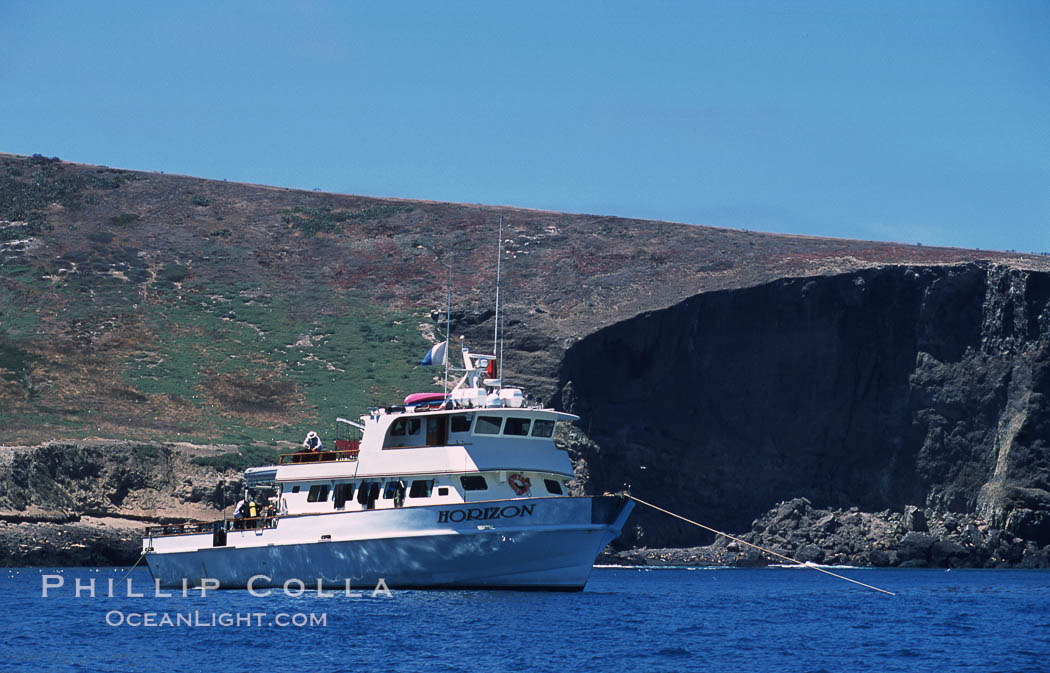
880, 388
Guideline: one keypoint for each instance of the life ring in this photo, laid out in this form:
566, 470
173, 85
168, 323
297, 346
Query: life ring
519, 483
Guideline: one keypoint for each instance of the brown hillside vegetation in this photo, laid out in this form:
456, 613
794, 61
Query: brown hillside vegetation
147, 305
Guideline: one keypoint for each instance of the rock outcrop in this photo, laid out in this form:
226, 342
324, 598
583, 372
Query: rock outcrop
87, 502
912, 539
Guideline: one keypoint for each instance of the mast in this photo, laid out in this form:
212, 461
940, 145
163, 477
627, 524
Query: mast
495, 327
448, 328
502, 335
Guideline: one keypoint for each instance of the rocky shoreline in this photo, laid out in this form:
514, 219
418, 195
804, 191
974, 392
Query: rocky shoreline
86, 503
914, 538
836, 537
86, 542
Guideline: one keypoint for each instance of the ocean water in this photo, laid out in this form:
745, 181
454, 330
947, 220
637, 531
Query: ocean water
627, 619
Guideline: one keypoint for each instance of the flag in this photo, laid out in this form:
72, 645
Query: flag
436, 356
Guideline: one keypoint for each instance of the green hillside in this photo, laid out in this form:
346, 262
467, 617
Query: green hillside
106, 330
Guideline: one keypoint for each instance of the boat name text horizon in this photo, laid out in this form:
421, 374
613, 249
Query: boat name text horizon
485, 514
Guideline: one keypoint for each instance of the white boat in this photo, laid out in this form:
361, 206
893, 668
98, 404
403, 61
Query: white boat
465, 489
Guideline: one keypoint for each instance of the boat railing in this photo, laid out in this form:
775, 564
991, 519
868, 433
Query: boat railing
319, 456
197, 527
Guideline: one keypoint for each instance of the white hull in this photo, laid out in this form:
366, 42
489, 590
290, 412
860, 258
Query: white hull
552, 547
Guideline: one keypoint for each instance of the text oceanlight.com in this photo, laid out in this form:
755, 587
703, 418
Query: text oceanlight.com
258, 586
213, 619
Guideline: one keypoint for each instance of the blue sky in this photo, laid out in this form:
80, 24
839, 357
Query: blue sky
904, 121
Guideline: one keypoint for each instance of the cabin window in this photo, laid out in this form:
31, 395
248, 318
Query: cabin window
401, 428
405, 426
395, 490
443, 490
421, 488
474, 482
391, 489
362, 493
517, 426
368, 493
342, 493
295, 489
553, 486
318, 493
542, 428
460, 423
488, 425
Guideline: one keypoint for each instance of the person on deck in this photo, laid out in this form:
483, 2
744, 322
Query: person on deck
312, 442
238, 515
253, 514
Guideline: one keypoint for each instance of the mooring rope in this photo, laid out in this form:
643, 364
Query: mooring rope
804, 564
141, 556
